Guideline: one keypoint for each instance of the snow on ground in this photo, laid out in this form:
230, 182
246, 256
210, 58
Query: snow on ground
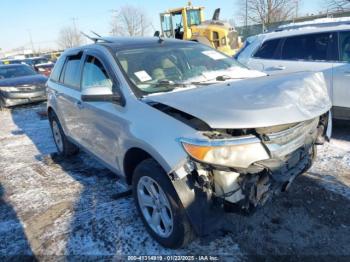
52, 206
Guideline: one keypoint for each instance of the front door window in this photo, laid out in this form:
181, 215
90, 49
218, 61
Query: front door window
94, 74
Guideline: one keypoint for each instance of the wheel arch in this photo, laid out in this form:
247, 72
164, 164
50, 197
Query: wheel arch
133, 157
50, 111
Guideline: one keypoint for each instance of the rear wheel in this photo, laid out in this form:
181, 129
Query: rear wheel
64, 147
159, 206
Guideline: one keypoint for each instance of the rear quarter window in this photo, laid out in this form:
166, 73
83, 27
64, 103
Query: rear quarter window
71, 71
55, 75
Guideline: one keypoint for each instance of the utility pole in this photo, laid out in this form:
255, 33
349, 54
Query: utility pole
296, 8
246, 18
31, 39
74, 23
75, 37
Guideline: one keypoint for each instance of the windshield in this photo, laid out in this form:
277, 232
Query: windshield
15, 71
161, 69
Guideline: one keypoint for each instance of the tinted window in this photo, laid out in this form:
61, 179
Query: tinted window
306, 47
71, 71
55, 75
344, 44
268, 50
94, 74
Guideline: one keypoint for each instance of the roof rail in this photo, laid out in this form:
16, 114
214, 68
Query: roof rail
321, 22
97, 38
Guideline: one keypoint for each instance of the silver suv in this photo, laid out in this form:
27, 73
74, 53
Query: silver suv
192, 131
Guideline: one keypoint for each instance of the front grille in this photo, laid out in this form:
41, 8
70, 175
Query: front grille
27, 88
287, 133
291, 138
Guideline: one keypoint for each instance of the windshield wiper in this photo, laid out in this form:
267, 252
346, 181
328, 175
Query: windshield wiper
169, 83
206, 81
223, 78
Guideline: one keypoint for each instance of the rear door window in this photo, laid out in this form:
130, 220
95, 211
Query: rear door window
312, 47
71, 75
268, 50
344, 46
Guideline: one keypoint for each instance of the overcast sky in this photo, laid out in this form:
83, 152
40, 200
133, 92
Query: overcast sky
43, 19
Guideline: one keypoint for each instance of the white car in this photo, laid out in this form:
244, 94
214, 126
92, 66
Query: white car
320, 45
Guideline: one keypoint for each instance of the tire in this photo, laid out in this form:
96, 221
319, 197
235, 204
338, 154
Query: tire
2, 104
64, 147
181, 233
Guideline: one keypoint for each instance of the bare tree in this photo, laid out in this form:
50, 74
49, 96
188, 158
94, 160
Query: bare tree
130, 21
266, 12
69, 37
338, 5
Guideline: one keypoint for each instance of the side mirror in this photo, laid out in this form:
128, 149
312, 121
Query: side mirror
99, 94
156, 34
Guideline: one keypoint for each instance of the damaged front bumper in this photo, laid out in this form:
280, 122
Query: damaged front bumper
203, 186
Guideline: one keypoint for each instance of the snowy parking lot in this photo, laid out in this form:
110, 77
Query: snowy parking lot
52, 207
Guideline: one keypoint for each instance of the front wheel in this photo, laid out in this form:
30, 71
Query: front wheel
159, 206
2, 104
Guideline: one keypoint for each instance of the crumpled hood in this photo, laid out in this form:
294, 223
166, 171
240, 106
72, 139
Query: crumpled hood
258, 102
36, 80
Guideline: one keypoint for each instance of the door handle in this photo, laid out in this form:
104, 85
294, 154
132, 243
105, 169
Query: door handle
79, 104
278, 67
274, 68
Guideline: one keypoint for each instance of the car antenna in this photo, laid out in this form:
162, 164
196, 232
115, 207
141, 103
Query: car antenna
96, 34
97, 38
89, 37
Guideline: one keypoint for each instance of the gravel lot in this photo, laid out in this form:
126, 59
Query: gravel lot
51, 207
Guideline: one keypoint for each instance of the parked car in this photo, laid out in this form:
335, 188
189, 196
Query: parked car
189, 128
11, 61
42, 65
32, 61
44, 69
20, 84
320, 45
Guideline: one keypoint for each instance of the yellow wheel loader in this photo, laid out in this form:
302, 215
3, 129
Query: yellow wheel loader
188, 23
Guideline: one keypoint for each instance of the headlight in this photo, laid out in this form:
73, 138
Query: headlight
230, 153
8, 89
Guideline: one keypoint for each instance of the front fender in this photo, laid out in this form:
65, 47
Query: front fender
203, 213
